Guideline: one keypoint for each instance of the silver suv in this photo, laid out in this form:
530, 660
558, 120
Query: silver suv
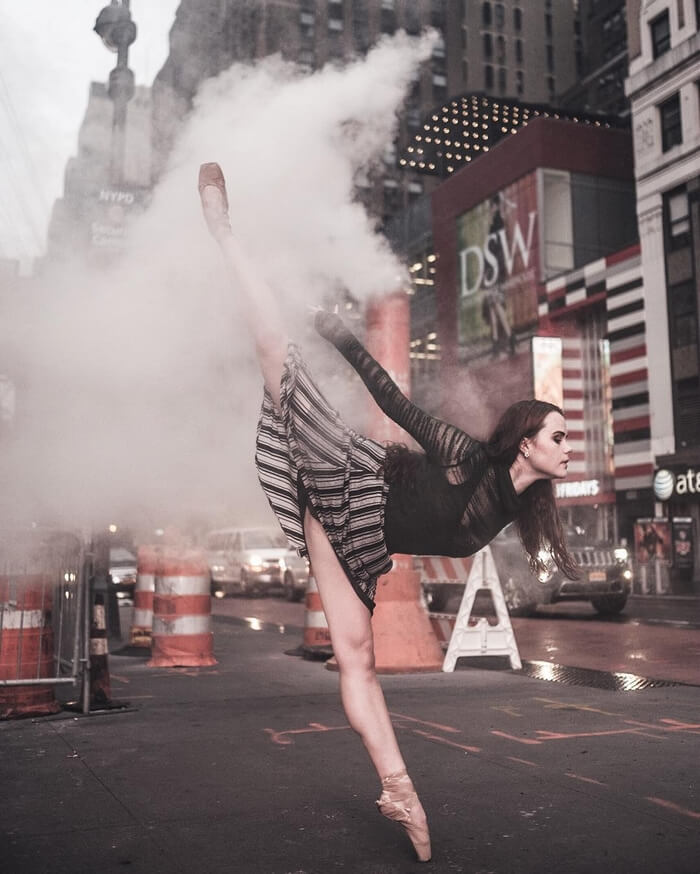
254, 561
605, 576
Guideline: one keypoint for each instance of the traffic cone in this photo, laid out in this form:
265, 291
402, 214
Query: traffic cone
404, 639
316, 644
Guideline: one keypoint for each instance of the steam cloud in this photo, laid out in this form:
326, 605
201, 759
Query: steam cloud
139, 390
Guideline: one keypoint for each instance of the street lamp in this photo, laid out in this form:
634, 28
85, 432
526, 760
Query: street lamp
117, 31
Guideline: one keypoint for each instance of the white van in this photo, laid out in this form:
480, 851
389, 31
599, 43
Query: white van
253, 561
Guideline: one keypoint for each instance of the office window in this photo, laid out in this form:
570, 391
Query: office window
519, 51
677, 219
550, 58
551, 87
671, 131
500, 15
660, 34
548, 24
518, 19
500, 49
488, 46
502, 80
486, 14
519, 82
465, 38
488, 76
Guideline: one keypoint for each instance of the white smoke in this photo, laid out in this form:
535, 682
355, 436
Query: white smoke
142, 386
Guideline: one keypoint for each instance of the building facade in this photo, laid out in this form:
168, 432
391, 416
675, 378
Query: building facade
663, 83
538, 291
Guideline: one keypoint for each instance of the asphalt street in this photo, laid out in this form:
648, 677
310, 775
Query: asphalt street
250, 767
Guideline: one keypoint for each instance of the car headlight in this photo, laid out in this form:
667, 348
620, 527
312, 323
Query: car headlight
621, 555
255, 563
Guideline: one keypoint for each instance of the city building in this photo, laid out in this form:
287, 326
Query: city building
601, 59
495, 48
664, 77
91, 218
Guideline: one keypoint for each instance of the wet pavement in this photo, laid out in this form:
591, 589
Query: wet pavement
250, 767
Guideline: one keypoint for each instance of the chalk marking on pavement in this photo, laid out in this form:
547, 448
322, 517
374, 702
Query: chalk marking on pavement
120, 678
511, 711
584, 779
671, 805
544, 736
448, 728
520, 740
446, 741
281, 737
560, 705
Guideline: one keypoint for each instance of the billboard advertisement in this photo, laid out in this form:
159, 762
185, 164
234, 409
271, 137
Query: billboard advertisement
498, 270
547, 371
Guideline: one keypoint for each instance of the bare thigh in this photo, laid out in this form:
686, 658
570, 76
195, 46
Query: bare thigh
349, 620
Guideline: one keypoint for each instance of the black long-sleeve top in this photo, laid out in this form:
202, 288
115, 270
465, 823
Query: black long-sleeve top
454, 499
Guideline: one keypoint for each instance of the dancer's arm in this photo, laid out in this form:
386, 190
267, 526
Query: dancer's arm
440, 440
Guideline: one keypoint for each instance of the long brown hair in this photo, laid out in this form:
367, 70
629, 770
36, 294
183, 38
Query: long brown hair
538, 522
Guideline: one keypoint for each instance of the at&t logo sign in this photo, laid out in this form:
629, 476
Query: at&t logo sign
668, 484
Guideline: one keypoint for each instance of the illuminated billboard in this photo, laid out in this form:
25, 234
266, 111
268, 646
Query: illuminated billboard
498, 270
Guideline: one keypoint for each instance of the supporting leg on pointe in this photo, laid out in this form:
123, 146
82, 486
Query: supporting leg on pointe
349, 624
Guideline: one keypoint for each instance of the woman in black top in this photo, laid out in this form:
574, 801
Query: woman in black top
348, 502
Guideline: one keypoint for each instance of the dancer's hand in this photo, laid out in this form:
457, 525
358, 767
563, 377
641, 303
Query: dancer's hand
212, 193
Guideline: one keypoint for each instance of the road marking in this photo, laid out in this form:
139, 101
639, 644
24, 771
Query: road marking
671, 805
448, 728
584, 779
523, 761
446, 741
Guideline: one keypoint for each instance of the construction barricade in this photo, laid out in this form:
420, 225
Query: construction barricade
40, 619
317, 638
182, 635
142, 623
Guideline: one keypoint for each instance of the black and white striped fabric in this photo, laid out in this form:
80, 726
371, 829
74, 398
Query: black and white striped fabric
340, 472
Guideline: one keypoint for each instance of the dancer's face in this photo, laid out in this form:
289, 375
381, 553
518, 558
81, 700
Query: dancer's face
549, 449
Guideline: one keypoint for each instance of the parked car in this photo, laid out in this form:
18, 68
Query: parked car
122, 571
605, 576
254, 561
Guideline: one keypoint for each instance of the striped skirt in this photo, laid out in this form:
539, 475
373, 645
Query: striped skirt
306, 455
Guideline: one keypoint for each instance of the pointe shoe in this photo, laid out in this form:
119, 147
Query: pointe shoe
212, 192
398, 800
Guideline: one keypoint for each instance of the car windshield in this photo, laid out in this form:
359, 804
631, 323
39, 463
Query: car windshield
264, 539
118, 556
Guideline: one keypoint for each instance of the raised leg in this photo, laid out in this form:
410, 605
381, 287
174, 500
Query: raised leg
260, 307
349, 624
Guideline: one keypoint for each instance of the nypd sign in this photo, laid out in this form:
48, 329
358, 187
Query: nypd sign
670, 484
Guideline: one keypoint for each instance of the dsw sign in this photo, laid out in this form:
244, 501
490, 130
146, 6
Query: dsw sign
481, 266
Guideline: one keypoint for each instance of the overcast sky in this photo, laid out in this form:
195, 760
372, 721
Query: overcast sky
49, 54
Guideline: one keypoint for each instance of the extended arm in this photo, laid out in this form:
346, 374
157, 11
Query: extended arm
444, 442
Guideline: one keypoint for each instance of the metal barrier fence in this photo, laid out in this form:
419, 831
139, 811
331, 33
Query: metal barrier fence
43, 616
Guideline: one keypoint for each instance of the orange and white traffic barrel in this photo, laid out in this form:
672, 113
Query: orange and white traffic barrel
317, 637
26, 646
182, 635
142, 623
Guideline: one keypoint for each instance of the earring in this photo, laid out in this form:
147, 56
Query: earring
526, 454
